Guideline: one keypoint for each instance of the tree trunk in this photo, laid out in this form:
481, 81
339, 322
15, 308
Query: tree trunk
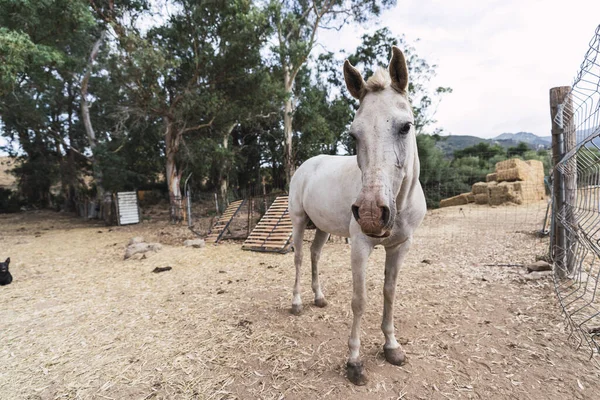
288, 118
103, 200
71, 172
172, 138
224, 171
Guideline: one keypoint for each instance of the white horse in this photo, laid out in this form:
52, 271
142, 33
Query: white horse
374, 198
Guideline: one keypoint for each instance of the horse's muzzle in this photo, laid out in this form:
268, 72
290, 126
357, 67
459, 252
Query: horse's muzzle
374, 220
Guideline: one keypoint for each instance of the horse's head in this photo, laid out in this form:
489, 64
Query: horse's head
386, 145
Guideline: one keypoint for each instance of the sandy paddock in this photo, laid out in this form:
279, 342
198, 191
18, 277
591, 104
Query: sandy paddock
81, 322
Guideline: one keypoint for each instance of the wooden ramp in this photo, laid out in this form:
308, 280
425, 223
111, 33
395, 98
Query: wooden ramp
274, 231
219, 228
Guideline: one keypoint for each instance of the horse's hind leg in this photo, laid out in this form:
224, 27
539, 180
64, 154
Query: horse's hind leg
299, 225
315, 253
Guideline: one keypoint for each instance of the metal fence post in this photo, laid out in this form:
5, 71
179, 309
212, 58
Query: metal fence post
189, 208
558, 237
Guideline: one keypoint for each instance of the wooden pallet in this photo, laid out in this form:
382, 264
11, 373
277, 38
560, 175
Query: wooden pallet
274, 231
219, 228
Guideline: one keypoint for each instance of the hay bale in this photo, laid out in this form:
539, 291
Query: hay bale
482, 198
459, 200
479, 187
505, 192
536, 170
491, 177
535, 164
519, 173
510, 164
530, 191
470, 197
519, 170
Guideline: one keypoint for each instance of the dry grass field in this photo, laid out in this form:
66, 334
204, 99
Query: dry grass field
80, 322
7, 180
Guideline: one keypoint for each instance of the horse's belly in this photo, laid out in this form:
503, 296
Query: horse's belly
329, 193
336, 223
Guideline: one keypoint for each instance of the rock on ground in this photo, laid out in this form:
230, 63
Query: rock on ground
137, 239
539, 266
137, 248
537, 275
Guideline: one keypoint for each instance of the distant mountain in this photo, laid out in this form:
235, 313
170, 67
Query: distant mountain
526, 137
449, 144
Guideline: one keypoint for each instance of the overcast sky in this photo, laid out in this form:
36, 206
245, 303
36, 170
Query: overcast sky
500, 57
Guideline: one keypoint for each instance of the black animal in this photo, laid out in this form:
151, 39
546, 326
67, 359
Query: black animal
5, 276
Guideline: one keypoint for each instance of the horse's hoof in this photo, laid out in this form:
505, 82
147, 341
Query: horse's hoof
296, 309
321, 302
395, 356
356, 373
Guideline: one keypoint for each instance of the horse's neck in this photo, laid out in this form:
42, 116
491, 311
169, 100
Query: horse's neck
410, 183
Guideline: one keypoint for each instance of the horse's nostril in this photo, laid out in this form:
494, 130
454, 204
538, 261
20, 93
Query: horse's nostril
385, 215
355, 212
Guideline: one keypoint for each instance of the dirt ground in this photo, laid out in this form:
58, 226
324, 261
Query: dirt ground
80, 322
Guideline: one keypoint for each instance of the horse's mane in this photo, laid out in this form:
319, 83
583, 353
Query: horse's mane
379, 80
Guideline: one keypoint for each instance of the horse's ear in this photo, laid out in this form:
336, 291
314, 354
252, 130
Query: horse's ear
354, 80
398, 71
7, 261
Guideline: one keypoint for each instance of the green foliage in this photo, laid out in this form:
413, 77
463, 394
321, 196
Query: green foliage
439, 178
19, 54
483, 151
518, 150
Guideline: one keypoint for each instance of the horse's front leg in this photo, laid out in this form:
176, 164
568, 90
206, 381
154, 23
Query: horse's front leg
361, 249
394, 256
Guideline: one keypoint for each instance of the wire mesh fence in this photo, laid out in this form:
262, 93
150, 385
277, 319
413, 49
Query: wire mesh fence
576, 237
496, 206
205, 207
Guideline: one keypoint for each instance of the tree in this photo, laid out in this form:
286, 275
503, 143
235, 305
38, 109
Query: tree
43, 48
483, 151
320, 118
296, 24
519, 150
193, 74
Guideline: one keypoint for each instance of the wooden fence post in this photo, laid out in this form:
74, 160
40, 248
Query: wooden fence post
558, 245
570, 181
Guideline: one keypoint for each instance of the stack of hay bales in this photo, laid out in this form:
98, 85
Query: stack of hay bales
459, 200
515, 181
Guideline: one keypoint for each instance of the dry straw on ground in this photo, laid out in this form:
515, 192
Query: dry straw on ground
79, 322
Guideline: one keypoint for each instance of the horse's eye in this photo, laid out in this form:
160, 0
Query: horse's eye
405, 128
